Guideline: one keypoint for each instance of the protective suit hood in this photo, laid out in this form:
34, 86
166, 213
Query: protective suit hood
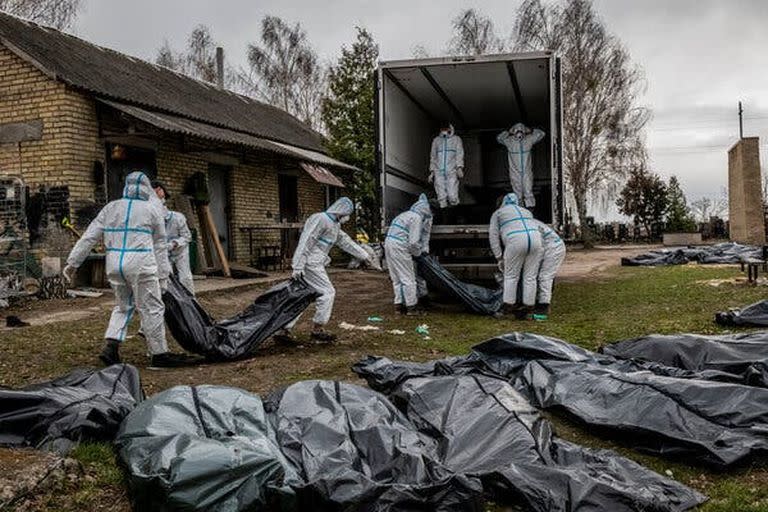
518, 130
510, 199
138, 186
343, 207
422, 207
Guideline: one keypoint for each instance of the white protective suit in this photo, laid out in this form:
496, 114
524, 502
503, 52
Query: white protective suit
553, 254
321, 232
133, 232
512, 230
408, 236
178, 237
446, 167
519, 144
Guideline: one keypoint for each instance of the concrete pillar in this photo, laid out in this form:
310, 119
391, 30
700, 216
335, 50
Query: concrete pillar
745, 192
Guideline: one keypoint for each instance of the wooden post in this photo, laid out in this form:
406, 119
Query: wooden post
211, 228
207, 252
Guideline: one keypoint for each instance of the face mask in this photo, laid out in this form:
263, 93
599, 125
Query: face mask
444, 133
162, 200
344, 219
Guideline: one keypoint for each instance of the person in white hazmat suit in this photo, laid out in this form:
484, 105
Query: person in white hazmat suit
519, 141
516, 244
446, 166
133, 233
321, 232
178, 237
408, 236
553, 254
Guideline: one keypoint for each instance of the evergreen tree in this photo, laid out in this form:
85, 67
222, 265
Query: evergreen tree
679, 218
348, 114
645, 199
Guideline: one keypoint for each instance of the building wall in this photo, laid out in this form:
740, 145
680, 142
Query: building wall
57, 168
745, 197
70, 141
253, 192
64, 159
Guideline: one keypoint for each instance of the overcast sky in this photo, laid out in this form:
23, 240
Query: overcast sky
699, 56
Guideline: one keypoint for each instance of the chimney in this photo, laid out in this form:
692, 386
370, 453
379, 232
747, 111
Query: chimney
220, 67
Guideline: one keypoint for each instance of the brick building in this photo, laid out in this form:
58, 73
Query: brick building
75, 118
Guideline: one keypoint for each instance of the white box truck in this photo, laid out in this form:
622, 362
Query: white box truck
481, 96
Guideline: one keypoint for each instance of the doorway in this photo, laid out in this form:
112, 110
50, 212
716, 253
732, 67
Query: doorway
218, 189
288, 192
123, 160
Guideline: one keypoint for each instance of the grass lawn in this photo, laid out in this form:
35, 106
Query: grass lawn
621, 303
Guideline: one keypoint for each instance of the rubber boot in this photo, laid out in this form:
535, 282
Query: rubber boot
522, 312
399, 309
508, 309
541, 312
110, 354
413, 311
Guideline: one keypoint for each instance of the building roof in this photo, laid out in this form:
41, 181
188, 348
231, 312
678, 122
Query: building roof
176, 124
113, 75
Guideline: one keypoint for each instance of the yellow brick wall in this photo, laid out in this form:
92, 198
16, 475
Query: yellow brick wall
69, 144
253, 192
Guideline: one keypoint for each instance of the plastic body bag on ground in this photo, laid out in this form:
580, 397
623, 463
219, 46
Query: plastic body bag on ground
754, 315
476, 299
355, 451
667, 410
84, 405
440, 444
727, 252
202, 448
738, 357
237, 337
486, 428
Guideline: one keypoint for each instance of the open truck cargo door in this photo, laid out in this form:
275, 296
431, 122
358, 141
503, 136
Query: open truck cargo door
481, 96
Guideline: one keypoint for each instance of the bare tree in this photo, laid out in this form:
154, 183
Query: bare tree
603, 122
474, 34
59, 14
284, 71
197, 60
706, 207
167, 57
420, 51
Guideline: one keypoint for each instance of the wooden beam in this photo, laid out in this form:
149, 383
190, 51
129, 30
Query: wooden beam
214, 234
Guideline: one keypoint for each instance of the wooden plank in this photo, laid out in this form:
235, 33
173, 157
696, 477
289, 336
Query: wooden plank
21, 132
207, 252
211, 227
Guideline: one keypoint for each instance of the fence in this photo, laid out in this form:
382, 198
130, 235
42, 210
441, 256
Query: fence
13, 237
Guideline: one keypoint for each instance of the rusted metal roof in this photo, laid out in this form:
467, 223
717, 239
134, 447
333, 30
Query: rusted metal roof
176, 124
117, 76
322, 175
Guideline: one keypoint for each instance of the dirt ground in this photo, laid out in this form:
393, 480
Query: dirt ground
588, 264
579, 264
